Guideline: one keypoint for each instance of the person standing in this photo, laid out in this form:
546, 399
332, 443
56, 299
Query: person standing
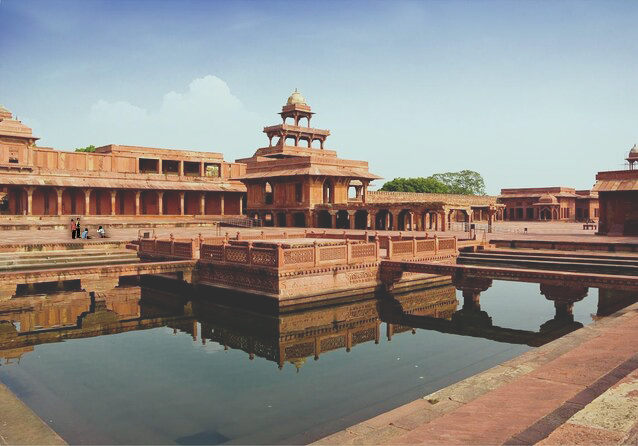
73, 229
78, 228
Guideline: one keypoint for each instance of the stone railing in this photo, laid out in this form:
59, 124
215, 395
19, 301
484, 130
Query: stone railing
290, 256
176, 249
331, 250
417, 248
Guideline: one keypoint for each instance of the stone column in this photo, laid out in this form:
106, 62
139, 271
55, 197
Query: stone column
180, 169
333, 214
160, 202
290, 222
372, 215
241, 205
411, 219
221, 203
59, 192
351, 219
202, 203
29, 200
443, 221
113, 196
137, 202
87, 201
181, 203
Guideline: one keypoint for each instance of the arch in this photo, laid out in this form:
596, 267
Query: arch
288, 139
17, 201
304, 143
301, 121
73, 201
269, 193
149, 202
383, 220
328, 191
343, 220
281, 219
545, 214
125, 202
324, 219
192, 202
299, 219
289, 120
316, 144
171, 203
100, 202
213, 204
555, 214
268, 219
361, 219
44, 201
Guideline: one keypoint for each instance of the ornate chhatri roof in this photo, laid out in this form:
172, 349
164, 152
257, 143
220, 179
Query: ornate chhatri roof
296, 98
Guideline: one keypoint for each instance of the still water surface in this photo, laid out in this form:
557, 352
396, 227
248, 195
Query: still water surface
165, 386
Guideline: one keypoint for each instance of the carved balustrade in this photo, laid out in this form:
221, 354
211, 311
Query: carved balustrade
175, 249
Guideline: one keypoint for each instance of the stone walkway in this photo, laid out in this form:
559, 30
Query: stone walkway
581, 389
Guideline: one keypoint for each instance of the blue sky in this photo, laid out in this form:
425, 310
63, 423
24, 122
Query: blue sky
528, 93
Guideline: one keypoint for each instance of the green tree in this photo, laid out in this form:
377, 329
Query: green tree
90, 148
465, 182
422, 185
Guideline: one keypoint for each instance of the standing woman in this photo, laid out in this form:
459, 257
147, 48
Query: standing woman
77, 228
73, 229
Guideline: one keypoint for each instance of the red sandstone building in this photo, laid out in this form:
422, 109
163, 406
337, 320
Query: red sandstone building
296, 182
618, 194
549, 204
113, 181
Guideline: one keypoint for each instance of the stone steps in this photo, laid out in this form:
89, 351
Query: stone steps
574, 263
65, 259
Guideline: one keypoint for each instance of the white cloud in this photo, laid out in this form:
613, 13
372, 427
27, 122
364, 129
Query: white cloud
207, 117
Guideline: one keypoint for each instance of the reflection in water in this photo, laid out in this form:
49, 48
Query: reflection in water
224, 395
282, 336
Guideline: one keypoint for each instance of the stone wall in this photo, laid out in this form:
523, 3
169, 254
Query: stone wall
414, 197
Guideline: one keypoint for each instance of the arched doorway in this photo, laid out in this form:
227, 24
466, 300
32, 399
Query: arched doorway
73, 201
324, 219
328, 192
268, 220
125, 202
383, 220
281, 219
299, 219
44, 201
545, 214
192, 202
100, 202
361, 220
343, 220
149, 202
171, 203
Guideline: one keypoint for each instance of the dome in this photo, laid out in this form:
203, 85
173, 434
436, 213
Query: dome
548, 199
634, 150
296, 98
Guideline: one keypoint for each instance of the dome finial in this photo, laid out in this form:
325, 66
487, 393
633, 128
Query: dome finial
296, 98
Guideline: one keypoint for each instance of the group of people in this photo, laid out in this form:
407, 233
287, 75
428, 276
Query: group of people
76, 231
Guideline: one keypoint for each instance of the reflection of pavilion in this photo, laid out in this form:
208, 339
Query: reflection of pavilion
29, 321
470, 320
295, 336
